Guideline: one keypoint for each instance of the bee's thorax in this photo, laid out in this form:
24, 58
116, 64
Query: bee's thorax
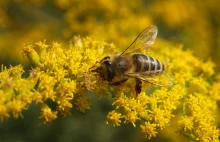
120, 65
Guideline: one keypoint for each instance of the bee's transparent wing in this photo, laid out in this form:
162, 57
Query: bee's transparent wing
160, 80
143, 41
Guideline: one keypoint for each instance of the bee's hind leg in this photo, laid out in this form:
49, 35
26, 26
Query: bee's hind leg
118, 82
138, 86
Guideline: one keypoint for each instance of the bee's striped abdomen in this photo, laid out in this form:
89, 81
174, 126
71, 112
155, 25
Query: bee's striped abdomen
147, 64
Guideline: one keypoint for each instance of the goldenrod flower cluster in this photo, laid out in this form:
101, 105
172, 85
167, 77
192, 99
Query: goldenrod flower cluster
62, 75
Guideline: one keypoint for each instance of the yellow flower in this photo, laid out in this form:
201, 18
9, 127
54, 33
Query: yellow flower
16, 106
46, 86
113, 118
131, 117
47, 115
32, 55
82, 103
198, 85
149, 130
186, 124
199, 121
41, 47
121, 102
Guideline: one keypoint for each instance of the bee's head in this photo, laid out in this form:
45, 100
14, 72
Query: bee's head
105, 69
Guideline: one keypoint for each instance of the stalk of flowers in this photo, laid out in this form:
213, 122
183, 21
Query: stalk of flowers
62, 76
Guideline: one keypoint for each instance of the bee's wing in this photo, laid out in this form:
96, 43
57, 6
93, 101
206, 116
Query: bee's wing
143, 41
160, 80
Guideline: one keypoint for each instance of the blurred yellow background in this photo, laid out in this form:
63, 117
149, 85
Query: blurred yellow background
195, 24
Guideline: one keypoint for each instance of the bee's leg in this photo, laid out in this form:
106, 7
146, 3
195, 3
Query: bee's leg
151, 79
118, 82
138, 86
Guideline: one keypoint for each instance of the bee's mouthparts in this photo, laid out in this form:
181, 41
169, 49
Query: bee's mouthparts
94, 70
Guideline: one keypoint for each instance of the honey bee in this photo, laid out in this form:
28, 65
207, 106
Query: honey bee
119, 67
